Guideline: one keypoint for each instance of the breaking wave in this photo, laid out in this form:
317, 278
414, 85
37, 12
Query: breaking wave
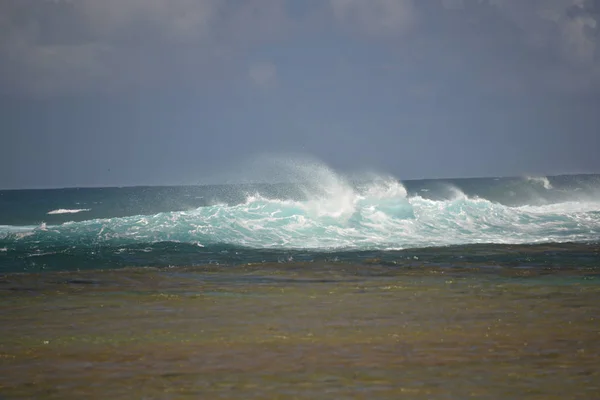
67, 211
319, 214
540, 180
334, 215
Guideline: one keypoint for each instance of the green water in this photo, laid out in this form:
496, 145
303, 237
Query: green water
312, 331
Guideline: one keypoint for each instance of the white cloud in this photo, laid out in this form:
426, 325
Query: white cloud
576, 45
263, 73
453, 4
173, 19
376, 17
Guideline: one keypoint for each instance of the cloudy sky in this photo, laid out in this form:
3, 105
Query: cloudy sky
129, 92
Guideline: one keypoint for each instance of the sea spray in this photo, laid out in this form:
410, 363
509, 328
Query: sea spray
320, 211
540, 180
376, 216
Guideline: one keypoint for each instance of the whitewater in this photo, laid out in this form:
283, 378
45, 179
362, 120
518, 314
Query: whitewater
379, 216
321, 212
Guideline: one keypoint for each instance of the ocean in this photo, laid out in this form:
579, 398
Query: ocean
325, 287
526, 221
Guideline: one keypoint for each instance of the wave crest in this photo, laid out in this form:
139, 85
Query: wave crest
376, 216
332, 214
540, 180
68, 211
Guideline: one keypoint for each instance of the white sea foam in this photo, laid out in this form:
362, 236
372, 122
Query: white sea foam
17, 232
68, 211
540, 180
334, 215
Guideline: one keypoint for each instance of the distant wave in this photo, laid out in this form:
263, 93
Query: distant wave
67, 211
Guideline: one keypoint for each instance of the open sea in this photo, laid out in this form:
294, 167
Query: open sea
327, 288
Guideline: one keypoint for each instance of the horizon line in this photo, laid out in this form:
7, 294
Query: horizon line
280, 183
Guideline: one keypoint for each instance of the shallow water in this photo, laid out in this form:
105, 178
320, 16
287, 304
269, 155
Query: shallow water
301, 331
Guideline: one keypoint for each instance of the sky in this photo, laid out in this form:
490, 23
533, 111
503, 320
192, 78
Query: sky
169, 92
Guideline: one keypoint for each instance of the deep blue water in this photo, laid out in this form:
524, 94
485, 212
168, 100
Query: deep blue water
521, 222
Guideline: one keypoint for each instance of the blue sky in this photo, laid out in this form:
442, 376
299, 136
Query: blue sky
131, 92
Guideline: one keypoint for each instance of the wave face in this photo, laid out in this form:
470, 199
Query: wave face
331, 215
380, 216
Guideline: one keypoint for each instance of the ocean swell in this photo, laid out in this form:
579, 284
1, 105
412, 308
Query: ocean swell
375, 216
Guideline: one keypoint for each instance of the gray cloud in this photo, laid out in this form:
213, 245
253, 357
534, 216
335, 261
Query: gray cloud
52, 47
558, 24
66, 46
376, 17
565, 30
